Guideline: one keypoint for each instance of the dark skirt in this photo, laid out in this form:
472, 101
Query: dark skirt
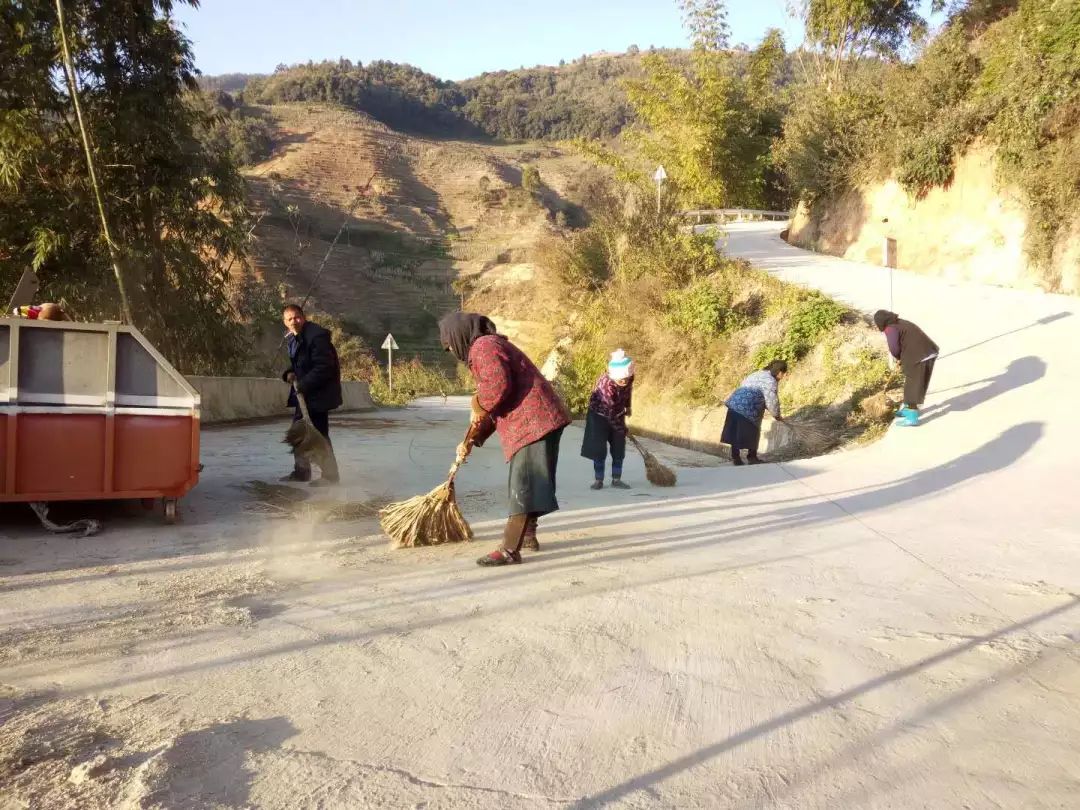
532, 476
598, 435
917, 381
740, 433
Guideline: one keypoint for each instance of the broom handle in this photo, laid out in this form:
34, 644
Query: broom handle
469, 434
303, 403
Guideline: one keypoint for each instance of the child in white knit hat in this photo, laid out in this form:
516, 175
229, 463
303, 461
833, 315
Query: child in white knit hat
605, 424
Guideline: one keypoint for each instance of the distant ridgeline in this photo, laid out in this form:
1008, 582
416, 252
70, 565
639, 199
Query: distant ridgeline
584, 98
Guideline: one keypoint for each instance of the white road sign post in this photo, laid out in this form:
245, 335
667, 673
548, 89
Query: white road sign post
660, 176
390, 344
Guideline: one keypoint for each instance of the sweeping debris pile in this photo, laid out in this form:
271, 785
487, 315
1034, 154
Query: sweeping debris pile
279, 500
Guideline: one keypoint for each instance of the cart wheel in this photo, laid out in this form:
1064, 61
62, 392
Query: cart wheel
171, 510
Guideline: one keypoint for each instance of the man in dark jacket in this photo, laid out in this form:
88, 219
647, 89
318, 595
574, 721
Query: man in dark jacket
916, 353
313, 366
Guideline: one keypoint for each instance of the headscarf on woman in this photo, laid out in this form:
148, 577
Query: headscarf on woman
459, 330
883, 318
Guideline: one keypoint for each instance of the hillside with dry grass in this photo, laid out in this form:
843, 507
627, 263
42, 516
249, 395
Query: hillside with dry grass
406, 226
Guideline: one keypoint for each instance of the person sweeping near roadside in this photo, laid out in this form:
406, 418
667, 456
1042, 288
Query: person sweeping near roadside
513, 399
605, 423
916, 352
314, 372
746, 408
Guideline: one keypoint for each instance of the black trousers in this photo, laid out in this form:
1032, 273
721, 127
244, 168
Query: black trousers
741, 434
321, 421
917, 381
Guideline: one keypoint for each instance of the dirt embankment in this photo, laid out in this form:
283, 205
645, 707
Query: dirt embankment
972, 230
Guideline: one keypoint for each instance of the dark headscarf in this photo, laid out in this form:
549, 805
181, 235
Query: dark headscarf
883, 318
459, 330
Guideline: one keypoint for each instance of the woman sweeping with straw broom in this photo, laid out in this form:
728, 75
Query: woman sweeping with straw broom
513, 399
746, 407
605, 423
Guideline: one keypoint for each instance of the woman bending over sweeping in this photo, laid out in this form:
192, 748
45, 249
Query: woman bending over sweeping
746, 407
605, 424
513, 399
916, 352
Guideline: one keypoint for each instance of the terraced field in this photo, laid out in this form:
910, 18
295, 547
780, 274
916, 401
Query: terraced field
409, 216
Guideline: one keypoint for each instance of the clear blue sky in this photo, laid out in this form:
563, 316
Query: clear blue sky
453, 39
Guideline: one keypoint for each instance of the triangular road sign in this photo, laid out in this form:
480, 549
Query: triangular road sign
389, 343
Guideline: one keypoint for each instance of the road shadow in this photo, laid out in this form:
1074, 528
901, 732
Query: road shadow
1044, 321
648, 780
208, 767
1020, 372
711, 531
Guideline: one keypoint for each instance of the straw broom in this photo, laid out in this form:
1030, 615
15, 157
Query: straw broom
428, 520
306, 440
658, 474
815, 433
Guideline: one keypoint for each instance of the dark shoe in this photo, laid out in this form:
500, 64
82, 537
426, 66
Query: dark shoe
736, 461
754, 460
531, 543
597, 485
296, 476
618, 483
499, 556
323, 482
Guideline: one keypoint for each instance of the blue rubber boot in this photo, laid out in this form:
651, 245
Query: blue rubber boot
909, 417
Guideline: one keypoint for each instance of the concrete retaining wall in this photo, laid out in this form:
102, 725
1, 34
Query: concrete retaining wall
694, 427
229, 399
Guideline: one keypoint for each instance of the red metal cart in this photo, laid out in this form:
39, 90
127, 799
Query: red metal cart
92, 411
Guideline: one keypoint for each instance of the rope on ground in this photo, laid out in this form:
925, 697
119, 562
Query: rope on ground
88, 526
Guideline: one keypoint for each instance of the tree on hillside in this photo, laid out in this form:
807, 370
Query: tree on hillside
706, 22
705, 122
848, 30
174, 209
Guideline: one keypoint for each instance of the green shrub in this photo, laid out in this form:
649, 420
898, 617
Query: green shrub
829, 136
703, 309
582, 368
1031, 82
413, 379
925, 163
530, 178
814, 316
584, 261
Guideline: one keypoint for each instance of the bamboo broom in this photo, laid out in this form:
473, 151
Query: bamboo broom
658, 474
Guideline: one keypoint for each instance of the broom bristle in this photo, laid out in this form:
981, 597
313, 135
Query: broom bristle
658, 474
815, 433
426, 520
306, 440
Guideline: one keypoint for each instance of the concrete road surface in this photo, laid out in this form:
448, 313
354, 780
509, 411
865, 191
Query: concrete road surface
891, 627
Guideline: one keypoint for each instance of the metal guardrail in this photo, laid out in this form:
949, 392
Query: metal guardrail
736, 214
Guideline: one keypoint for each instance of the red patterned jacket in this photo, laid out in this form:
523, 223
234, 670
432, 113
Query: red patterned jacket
522, 404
